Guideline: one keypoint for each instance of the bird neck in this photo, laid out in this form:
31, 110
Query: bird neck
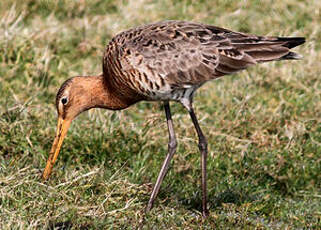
105, 95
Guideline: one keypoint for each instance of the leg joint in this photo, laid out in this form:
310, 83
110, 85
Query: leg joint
202, 144
172, 144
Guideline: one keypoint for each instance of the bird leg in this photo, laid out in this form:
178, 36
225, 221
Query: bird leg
171, 150
202, 144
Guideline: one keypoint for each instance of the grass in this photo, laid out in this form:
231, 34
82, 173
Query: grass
263, 125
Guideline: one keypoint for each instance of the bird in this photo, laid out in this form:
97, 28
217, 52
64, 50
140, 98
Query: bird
165, 61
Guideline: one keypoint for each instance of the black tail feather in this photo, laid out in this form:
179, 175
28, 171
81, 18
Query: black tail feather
291, 42
291, 56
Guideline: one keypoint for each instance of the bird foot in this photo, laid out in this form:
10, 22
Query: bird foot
205, 213
149, 207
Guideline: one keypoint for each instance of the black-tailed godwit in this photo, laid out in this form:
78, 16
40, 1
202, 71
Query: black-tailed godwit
165, 61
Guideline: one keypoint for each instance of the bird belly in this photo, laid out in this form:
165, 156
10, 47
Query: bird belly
173, 94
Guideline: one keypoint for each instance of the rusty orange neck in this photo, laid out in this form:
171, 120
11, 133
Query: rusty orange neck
108, 95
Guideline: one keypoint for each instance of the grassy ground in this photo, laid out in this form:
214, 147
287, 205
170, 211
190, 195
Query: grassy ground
263, 125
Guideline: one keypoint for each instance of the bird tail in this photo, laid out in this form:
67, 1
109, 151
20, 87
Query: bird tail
264, 49
291, 43
291, 56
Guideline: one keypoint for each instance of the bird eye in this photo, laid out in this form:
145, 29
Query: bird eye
64, 100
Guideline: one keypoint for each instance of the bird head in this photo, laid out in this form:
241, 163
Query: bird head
73, 97
76, 95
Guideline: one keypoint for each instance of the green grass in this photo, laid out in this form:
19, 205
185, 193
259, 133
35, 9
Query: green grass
263, 125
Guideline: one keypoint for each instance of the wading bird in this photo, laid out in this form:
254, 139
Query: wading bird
165, 61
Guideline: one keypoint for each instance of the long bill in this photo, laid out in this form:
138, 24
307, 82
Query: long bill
62, 129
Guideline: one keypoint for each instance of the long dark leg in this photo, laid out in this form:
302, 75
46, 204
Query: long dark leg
171, 150
202, 144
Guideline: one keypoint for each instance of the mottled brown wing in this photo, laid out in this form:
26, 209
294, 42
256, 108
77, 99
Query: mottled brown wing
182, 53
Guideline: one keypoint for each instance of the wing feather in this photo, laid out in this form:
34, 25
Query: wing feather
182, 53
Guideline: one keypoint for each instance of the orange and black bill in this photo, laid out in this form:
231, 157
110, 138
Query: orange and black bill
62, 129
